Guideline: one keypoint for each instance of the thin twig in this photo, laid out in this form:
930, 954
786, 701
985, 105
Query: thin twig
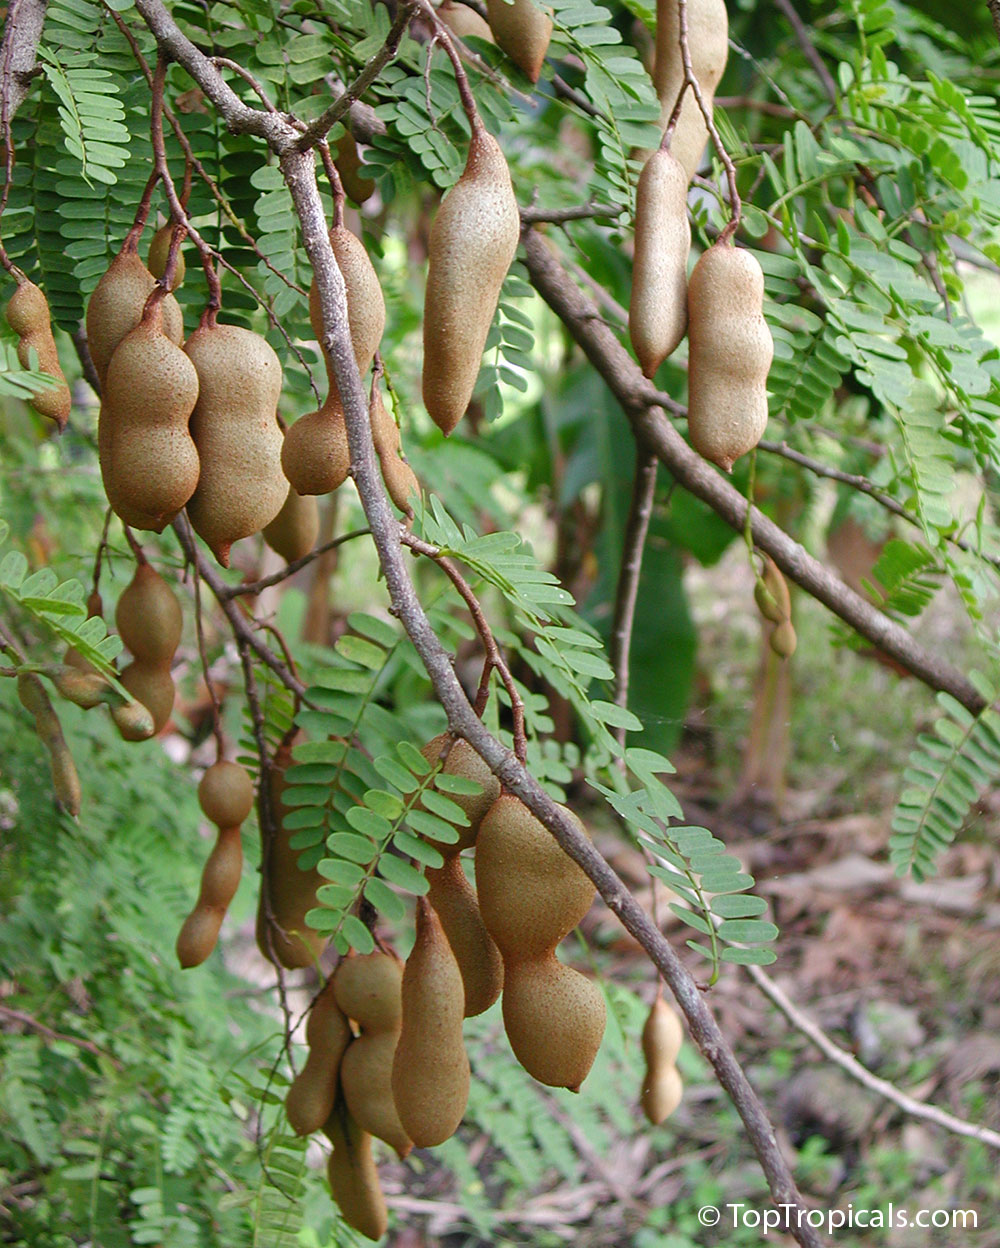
29, 1020
847, 1062
255, 587
640, 512
808, 47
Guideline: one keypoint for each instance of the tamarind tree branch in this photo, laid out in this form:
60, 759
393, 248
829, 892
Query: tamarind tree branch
808, 48
22, 31
652, 427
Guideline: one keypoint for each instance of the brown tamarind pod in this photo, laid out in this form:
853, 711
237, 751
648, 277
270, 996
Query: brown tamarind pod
531, 895
28, 316
134, 721
662, 1036
472, 244
348, 162
708, 43
65, 780
479, 961
430, 1072
353, 1175
149, 622
116, 306
783, 639
159, 251
287, 893
400, 479
127, 515
368, 989
657, 315
365, 303
463, 21
235, 427
730, 354
461, 759
150, 391
148, 616
83, 688
771, 594
315, 456
523, 31
310, 1099
219, 882
294, 530
225, 794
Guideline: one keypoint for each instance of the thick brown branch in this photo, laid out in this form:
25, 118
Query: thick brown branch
696, 475
22, 31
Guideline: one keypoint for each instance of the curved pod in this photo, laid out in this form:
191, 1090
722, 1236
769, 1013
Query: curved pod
657, 315
554, 1018
148, 616
365, 302
315, 457
708, 42
150, 391
430, 1072
235, 428
662, 1036
353, 1175
287, 893
472, 244
479, 961
28, 316
116, 306
730, 354
310, 1099
294, 530
219, 882
523, 31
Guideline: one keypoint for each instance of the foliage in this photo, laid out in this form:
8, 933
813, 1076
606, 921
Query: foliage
874, 213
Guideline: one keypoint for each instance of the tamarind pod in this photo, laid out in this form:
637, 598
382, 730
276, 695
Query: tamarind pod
657, 315
523, 31
662, 1036
400, 479
462, 760
783, 639
85, 689
287, 893
315, 457
366, 1083
309, 1101
348, 162
28, 316
225, 794
150, 392
235, 428
771, 594
730, 354
454, 900
154, 687
353, 1176
115, 309
159, 250
472, 243
127, 515
365, 303
368, 989
554, 1018
294, 530
133, 721
708, 43
65, 780
219, 882
148, 616
531, 893
463, 21
430, 1070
